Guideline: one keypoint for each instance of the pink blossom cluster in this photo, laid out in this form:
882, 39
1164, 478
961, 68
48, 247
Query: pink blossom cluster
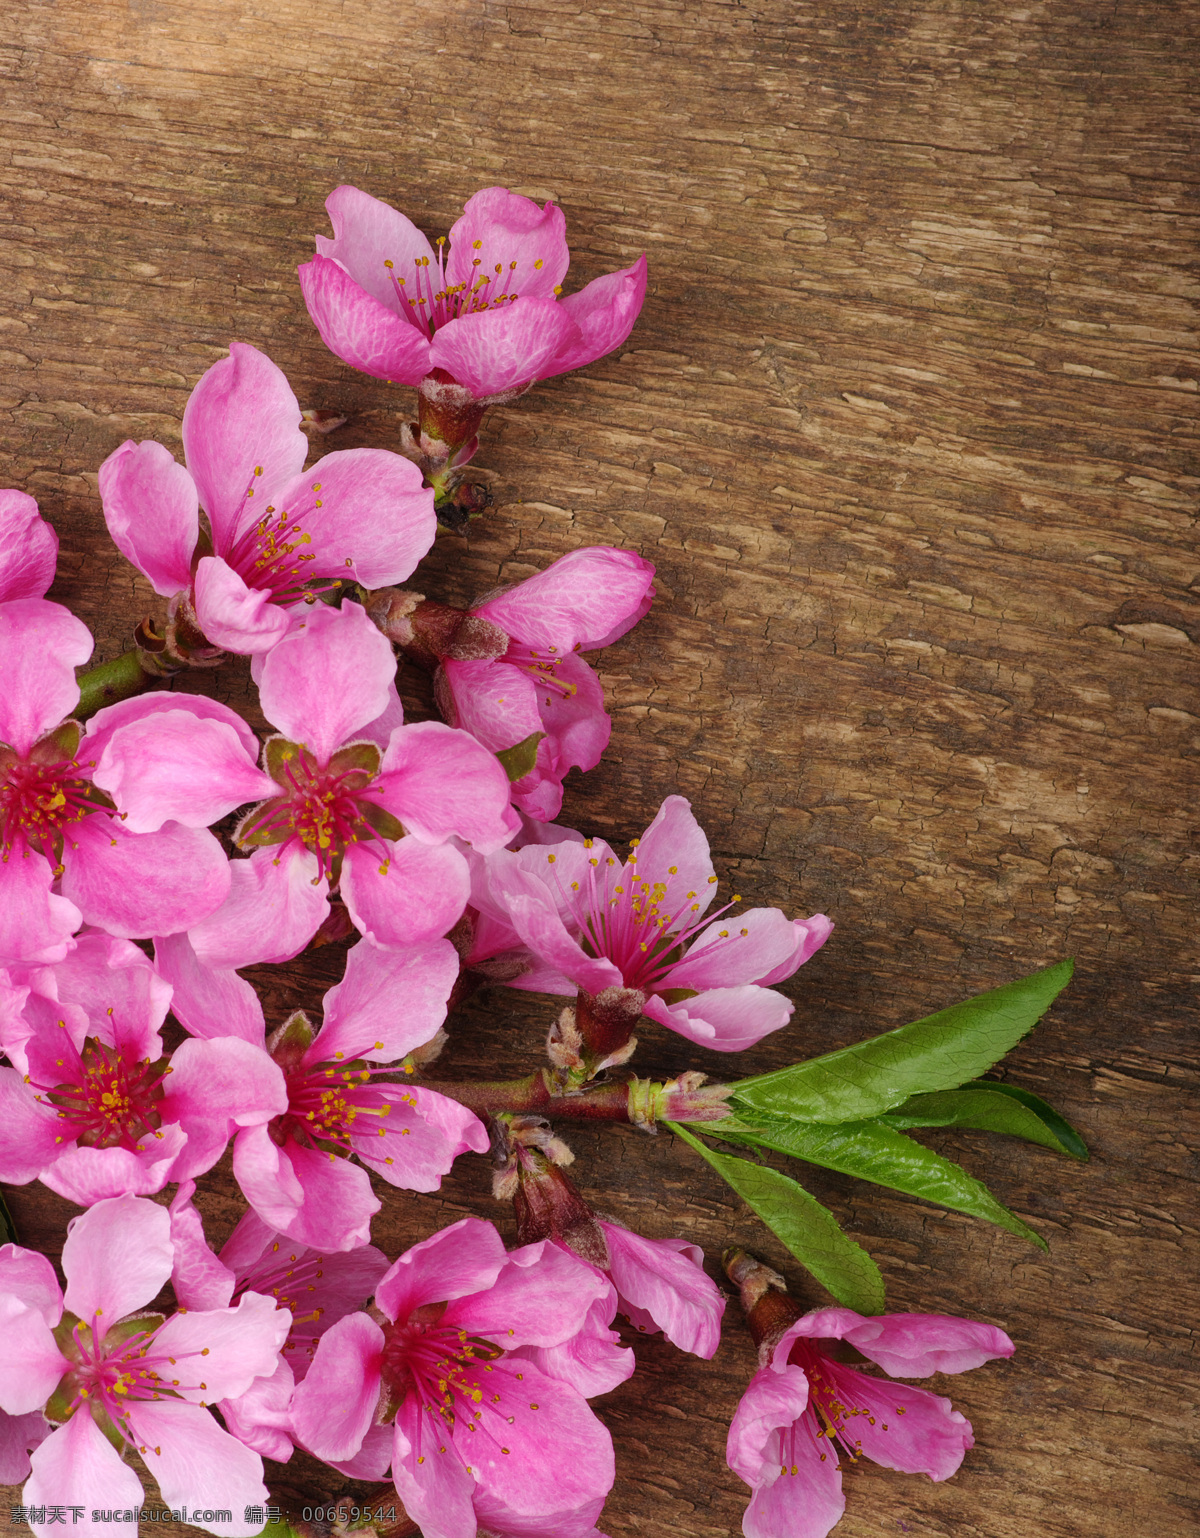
132, 898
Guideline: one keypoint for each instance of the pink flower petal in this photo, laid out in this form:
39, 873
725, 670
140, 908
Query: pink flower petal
217, 1087
367, 512
811, 935
503, 349
176, 766
78, 1466
909, 1345
29, 1137
208, 1001
276, 904
311, 1196
232, 615
604, 312
372, 1460
431, 1477
774, 1398
261, 1417
227, 1348
140, 884
439, 781
902, 1427
536, 920
380, 730
199, 1279
666, 1279
388, 1002
28, 548
106, 977
496, 703
724, 1019
31, 1364
577, 731
420, 1139
241, 417
542, 1297
368, 234
738, 948
360, 329
117, 1256
89, 1175
152, 512
807, 1500
584, 600
35, 924
41, 645
19, 1435
593, 1361
328, 678
455, 1262
197, 1465
29, 1277
501, 228
417, 895
676, 839
105, 723
335, 1405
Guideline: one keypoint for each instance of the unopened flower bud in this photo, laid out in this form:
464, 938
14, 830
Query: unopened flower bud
764, 1298
564, 1044
391, 609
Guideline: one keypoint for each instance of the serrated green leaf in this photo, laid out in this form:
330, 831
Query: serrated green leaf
941, 1051
798, 1220
521, 758
989, 1107
874, 1151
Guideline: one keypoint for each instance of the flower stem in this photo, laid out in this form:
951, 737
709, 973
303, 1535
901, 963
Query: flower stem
605, 1102
119, 679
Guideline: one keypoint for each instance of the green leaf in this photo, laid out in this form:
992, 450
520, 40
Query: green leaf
991, 1107
810, 1231
940, 1052
874, 1151
520, 759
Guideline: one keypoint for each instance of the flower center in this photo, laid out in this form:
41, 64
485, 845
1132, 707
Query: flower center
106, 1375
108, 1101
442, 1366
831, 1398
429, 301
38, 801
331, 1106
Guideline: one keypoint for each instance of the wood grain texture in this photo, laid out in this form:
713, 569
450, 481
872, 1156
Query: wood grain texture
908, 426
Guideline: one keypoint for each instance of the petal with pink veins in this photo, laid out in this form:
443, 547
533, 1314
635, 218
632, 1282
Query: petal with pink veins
909, 1345
19, 1435
311, 1196
241, 418
737, 948
78, 1466
367, 512
117, 1256
584, 600
30, 1135
421, 1137
373, 1459
380, 730
899, 1426
536, 921
416, 894
665, 1280
105, 973
328, 678
496, 703
227, 1348
208, 1001
497, 350
199, 1279
176, 767
41, 645
811, 935
577, 730
28, 548
29, 1277
368, 234
541, 1298
31, 1365
774, 1399
101, 727
604, 313
439, 781
197, 1465
152, 511
234, 616
804, 1501
387, 1003
261, 1417
593, 1361
676, 839
455, 1262
89, 1175
277, 901
35, 923
335, 1405
140, 884
430, 1476
724, 1019
216, 1088
360, 329
502, 228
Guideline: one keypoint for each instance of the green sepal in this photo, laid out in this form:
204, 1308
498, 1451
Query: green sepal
875, 1151
363, 756
381, 821
809, 1230
292, 1040
58, 746
678, 995
277, 753
519, 760
989, 1107
941, 1051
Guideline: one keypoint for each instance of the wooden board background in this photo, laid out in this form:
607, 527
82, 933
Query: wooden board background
906, 426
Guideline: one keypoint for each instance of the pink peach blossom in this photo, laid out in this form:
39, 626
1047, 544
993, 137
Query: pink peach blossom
481, 320
66, 858
805, 1409
350, 797
28, 548
661, 1285
481, 1439
113, 1376
594, 922
96, 1109
278, 533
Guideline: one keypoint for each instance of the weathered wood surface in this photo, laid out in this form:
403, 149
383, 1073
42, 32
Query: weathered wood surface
906, 427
